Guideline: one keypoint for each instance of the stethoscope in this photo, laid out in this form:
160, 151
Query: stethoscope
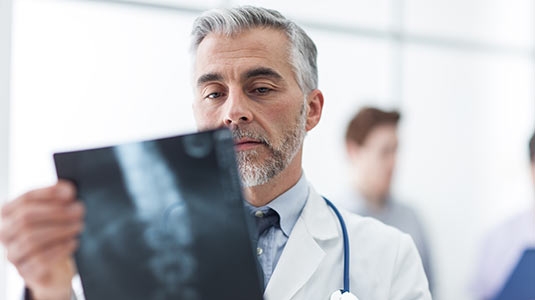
342, 294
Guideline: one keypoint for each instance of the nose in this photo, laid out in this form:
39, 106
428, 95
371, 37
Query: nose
238, 110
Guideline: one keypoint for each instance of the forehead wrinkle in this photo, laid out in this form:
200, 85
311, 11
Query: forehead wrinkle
219, 51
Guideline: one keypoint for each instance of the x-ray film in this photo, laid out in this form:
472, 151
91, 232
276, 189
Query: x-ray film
164, 220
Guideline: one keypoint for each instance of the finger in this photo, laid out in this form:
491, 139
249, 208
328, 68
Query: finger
61, 192
35, 269
29, 218
37, 241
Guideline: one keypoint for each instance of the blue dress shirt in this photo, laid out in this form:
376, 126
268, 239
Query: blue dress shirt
272, 241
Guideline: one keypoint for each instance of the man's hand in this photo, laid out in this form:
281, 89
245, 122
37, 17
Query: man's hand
39, 230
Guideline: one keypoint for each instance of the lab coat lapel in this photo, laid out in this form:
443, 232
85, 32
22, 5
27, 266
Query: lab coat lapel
303, 252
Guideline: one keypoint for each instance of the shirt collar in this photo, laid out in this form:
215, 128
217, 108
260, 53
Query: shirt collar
288, 205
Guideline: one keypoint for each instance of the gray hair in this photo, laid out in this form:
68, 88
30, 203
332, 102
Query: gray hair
232, 21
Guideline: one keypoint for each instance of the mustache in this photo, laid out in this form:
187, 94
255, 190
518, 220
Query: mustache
241, 133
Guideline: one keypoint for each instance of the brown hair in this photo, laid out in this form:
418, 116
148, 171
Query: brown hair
366, 120
532, 148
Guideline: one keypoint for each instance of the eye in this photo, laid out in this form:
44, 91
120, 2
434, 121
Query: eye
262, 90
214, 95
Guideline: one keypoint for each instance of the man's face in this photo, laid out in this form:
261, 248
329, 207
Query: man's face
374, 161
246, 83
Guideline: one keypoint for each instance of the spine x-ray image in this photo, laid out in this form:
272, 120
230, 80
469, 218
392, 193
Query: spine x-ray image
164, 220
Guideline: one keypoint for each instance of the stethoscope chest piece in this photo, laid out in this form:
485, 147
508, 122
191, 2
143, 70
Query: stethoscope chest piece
339, 295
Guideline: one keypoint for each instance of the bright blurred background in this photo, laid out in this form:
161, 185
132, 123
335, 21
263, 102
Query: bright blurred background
80, 73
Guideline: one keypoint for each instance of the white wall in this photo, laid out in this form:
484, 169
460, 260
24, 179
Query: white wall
5, 62
102, 74
92, 73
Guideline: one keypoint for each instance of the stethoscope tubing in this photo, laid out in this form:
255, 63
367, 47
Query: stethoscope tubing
345, 237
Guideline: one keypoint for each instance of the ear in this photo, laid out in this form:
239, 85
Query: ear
314, 108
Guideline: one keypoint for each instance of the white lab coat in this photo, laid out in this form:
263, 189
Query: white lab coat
384, 262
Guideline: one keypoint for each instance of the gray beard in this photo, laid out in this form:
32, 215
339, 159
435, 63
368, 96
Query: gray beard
253, 172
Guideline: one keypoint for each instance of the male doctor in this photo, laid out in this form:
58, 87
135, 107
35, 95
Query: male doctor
254, 73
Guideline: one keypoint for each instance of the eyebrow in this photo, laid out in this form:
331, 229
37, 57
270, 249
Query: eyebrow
256, 72
209, 77
262, 72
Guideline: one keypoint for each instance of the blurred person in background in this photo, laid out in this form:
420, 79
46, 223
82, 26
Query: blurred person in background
504, 246
372, 144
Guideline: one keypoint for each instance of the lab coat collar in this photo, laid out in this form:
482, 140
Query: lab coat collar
320, 220
304, 250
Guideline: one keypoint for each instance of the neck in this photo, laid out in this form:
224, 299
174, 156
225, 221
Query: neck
261, 195
374, 201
